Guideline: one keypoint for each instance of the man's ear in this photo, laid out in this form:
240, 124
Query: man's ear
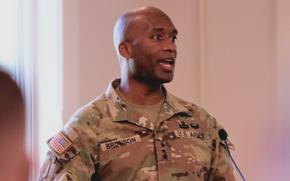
125, 49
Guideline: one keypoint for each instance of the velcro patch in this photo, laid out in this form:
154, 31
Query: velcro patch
60, 143
230, 144
189, 134
120, 142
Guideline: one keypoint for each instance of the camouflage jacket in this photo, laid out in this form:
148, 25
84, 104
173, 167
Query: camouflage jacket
105, 141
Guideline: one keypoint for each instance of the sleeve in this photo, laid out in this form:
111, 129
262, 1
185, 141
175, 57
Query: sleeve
222, 169
73, 152
66, 160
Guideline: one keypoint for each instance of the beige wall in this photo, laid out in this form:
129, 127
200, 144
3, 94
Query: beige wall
233, 59
240, 74
71, 57
282, 84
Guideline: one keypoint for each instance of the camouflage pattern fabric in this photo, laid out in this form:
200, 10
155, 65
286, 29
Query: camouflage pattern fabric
105, 141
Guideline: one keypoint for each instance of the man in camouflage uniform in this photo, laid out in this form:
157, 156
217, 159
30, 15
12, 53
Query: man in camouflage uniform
137, 130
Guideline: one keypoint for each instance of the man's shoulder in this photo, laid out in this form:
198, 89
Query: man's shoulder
82, 127
190, 106
92, 110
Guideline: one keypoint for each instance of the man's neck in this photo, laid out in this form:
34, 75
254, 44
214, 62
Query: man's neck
141, 93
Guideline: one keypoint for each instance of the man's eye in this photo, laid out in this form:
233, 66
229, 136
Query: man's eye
173, 39
157, 37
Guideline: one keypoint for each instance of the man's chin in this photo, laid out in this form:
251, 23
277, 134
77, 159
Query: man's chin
165, 80
156, 80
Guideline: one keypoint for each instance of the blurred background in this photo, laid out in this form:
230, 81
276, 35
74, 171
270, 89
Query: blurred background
233, 60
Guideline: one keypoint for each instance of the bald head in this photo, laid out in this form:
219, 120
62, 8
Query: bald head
131, 24
144, 38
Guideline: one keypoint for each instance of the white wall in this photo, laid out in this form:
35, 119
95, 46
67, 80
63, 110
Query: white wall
233, 59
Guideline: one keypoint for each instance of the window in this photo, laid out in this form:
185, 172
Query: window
8, 34
31, 50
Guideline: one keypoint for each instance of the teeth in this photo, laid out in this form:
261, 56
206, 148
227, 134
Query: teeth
171, 61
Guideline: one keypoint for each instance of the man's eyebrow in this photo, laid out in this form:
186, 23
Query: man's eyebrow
160, 29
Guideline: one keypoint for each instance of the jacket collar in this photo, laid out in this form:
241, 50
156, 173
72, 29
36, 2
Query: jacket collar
119, 112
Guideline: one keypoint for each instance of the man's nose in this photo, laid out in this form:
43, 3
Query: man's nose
169, 46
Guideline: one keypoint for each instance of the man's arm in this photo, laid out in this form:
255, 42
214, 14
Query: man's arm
75, 169
222, 169
73, 152
74, 163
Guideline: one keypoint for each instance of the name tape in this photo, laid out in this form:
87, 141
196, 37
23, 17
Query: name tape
120, 142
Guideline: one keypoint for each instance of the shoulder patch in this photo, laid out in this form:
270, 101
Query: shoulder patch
62, 141
59, 143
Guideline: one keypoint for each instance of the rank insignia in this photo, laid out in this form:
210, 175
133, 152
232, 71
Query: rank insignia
59, 143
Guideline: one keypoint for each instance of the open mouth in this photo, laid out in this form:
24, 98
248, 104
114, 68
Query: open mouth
167, 64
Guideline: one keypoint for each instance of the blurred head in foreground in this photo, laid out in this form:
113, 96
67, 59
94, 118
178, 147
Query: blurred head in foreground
13, 161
